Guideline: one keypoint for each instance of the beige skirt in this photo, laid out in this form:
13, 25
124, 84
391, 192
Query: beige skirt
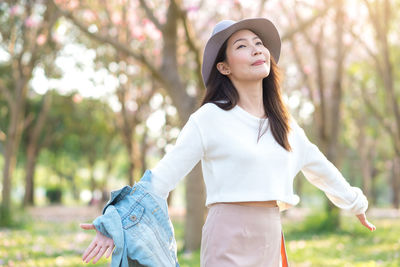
241, 236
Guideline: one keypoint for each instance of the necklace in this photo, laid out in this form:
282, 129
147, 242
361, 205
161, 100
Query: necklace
262, 120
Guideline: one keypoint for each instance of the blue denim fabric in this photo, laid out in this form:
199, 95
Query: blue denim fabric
137, 220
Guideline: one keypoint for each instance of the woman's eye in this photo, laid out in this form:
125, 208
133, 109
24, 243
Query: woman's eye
258, 43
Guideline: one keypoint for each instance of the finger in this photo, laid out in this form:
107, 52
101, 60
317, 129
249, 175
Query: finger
371, 226
363, 219
101, 252
88, 250
110, 249
93, 253
87, 226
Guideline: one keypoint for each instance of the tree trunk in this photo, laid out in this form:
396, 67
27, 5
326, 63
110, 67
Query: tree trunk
365, 159
75, 188
396, 181
33, 151
12, 144
30, 174
195, 209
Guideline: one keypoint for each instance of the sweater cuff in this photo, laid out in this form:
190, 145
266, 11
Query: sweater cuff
359, 205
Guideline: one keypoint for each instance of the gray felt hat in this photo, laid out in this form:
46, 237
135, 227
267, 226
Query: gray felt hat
263, 27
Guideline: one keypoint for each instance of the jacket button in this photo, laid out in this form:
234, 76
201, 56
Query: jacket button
133, 217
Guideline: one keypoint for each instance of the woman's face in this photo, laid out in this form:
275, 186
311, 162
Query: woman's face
246, 57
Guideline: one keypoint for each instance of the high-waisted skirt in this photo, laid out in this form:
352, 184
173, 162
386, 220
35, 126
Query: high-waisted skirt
241, 236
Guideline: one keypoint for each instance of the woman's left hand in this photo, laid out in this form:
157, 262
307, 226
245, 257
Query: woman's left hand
365, 222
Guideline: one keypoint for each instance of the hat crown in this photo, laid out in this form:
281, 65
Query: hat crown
222, 25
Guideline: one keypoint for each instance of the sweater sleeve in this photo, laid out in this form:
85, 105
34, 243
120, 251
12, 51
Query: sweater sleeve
323, 174
180, 160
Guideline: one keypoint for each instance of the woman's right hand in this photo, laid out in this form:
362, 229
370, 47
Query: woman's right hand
99, 245
363, 219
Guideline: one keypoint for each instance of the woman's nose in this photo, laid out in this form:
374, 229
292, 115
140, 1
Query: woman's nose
256, 51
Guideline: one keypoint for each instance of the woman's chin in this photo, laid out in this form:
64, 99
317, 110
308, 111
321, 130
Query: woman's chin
261, 75
253, 76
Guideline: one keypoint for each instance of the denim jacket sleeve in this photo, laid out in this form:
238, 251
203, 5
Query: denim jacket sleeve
110, 225
137, 220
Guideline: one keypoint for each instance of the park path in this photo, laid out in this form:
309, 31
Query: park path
60, 213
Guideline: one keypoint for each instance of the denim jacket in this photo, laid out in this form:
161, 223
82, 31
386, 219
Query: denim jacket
137, 220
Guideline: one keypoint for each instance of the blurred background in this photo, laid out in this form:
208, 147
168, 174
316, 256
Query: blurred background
93, 93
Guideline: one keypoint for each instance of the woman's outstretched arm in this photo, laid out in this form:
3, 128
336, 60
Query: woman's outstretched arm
322, 173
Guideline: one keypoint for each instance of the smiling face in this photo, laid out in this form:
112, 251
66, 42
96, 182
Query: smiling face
246, 57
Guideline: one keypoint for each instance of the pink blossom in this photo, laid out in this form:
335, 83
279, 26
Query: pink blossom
68, 4
116, 18
192, 8
89, 15
77, 98
31, 22
15, 10
146, 22
41, 39
56, 38
137, 32
307, 69
72, 4
152, 31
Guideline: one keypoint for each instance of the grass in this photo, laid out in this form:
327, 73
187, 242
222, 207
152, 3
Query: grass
353, 245
40, 243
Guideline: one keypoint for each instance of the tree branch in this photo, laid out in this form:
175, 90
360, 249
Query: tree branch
151, 16
261, 7
369, 51
190, 35
117, 45
380, 118
298, 58
304, 24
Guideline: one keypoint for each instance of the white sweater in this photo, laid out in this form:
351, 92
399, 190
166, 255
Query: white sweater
237, 168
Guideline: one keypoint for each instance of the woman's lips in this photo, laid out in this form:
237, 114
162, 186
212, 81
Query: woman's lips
258, 62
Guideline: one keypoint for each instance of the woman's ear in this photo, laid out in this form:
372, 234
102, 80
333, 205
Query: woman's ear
223, 68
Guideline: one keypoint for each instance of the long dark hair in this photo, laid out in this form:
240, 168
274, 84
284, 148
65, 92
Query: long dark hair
219, 87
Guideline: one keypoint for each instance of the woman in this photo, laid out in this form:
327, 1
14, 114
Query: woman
251, 149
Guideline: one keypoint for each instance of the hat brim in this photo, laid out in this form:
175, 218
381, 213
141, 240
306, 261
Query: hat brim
263, 27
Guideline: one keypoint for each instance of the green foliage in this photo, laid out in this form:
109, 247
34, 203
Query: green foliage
14, 218
54, 194
319, 222
5, 216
